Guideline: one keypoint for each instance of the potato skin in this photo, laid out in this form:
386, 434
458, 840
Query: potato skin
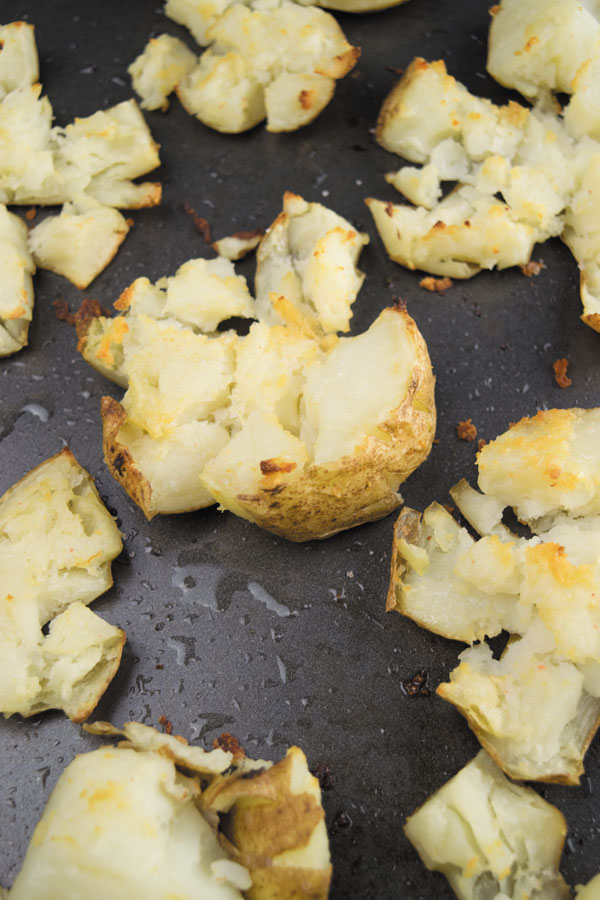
118, 458
357, 488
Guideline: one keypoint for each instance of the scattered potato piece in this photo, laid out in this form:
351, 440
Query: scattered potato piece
127, 822
491, 838
289, 426
236, 246
589, 891
159, 69
537, 707
18, 57
306, 268
80, 242
256, 67
539, 46
58, 541
16, 286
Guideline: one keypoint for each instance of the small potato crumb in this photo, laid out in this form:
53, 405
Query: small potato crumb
559, 367
166, 724
201, 225
31, 214
481, 444
533, 267
436, 284
466, 431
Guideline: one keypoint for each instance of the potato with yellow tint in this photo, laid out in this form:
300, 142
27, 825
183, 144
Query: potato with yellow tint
275, 827
16, 289
537, 707
289, 426
156, 817
490, 837
57, 542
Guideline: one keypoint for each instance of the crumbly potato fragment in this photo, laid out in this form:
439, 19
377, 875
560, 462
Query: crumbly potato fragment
589, 891
490, 837
543, 46
18, 57
306, 268
16, 286
273, 423
523, 176
224, 825
256, 67
58, 542
537, 707
80, 242
157, 71
236, 246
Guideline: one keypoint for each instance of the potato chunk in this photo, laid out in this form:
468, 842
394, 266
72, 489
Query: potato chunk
18, 57
58, 542
16, 285
490, 837
127, 822
288, 426
537, 707
159, 69
256, 67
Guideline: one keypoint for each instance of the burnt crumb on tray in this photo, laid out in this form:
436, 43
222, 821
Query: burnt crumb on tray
466, 431
417, 685
325, 776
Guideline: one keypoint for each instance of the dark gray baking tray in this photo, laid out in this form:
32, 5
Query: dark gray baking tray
230, 628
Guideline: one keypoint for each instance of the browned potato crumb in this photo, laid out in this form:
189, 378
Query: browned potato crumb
436, 284
559, 367
466, 431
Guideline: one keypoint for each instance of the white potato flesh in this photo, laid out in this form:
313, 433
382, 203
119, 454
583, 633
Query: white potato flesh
355, 388
307, 267
545, 465
540, 45
197, 15
18, 57
524, 157
490, 837
16, 286
123, 823
79, 243
57, 543
529, 709
589, 891
236, 246
157, 71
256, 49
293, 100
450, 584
204, 293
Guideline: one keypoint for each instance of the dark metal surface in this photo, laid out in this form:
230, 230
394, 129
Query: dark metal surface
229, 628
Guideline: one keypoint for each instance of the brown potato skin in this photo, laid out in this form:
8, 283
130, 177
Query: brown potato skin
118, 458
361, 488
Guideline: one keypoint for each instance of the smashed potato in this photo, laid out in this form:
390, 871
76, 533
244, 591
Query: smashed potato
491, 838
522, 177
16, 287
291, 427
127, 822
255, 67
58, 541
536, 708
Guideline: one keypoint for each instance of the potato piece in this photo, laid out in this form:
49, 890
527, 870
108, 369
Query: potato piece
363, 440
537, 708
490, 837
197, 15
19, 66
236, 246
306, 273
158, 70
80, 242
16, 286
256, 68
58, 541
123, 823
529, 709
127, 821
275, 826
539, 45
545, 465
288, 410
447, 582
523, 157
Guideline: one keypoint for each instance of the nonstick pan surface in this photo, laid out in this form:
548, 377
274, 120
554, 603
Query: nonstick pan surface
228, 627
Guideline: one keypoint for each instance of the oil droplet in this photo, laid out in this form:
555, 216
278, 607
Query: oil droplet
262, 596
37, 410
282, 669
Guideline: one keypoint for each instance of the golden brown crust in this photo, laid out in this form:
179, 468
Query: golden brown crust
119, 459
407, 527
360, 488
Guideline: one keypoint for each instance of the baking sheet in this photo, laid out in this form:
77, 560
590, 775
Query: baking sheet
228, 627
